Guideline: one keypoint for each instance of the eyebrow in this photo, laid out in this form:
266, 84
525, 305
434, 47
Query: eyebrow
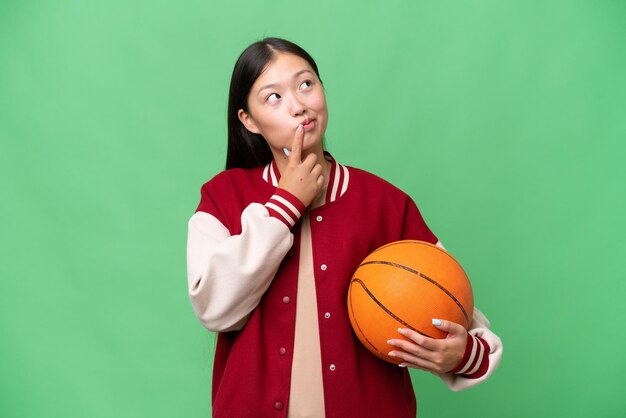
296, 75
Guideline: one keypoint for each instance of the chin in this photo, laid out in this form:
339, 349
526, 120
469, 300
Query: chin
312, 143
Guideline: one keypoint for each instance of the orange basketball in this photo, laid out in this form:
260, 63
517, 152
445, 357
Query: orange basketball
405, 284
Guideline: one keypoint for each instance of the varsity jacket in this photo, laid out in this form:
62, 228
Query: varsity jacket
243, 246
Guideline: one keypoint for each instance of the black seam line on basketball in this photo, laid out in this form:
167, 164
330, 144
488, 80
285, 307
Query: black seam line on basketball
384, 308
423, 276
361, 331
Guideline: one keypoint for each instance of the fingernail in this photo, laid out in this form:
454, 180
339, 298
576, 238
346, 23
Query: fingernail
391, 354
401, 331
286, 151
300, 128
401, 365
436, 321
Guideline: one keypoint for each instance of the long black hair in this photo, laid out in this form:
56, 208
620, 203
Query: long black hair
247, 149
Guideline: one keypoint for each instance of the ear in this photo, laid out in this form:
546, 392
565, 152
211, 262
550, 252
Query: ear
247, 121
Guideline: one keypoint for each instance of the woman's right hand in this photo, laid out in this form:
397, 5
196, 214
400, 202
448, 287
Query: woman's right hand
303, 179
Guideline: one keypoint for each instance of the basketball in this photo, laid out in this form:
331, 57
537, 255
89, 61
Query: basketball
405, 284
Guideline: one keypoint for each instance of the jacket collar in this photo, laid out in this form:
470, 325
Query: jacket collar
337, 183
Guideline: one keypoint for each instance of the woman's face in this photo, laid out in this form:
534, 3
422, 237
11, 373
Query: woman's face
286, 94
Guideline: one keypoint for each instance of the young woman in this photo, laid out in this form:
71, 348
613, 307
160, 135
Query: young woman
272, 247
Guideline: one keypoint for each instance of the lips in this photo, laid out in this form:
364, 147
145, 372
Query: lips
308, 124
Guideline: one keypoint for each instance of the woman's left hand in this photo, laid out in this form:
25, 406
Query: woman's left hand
430, 354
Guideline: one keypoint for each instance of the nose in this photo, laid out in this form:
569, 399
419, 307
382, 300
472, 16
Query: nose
296, 107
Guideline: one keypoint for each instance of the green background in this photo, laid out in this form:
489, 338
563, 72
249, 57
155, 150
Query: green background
503, 119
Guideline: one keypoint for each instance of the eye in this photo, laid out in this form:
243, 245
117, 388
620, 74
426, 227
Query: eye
305, 84
272, 97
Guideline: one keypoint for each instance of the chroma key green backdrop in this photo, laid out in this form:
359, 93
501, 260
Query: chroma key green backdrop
503, 119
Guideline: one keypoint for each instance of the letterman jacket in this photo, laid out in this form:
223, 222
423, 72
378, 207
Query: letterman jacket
243, 250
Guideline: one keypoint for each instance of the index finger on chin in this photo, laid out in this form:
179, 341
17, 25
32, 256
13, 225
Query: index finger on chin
296, 147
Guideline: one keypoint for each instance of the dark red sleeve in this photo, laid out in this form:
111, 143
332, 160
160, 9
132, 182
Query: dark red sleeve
475, 361
414, 225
